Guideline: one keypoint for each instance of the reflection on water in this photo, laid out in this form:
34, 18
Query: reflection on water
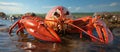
27, 43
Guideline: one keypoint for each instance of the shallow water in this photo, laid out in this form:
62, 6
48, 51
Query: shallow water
26, 43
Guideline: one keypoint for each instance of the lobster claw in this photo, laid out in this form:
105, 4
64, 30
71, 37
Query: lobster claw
44, 33
104, 33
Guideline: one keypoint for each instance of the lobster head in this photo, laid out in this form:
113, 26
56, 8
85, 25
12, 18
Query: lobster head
59, 14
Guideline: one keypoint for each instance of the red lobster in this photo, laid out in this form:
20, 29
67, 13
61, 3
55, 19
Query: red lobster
60, 19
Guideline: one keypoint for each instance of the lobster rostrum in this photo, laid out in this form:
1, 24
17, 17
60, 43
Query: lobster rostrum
60, 19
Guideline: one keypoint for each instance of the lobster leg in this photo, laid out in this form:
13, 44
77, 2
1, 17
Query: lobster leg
20, 29
85, 32
90, 31
103, 32
10, 30
80, 34
88, 28
107, 35
98, 29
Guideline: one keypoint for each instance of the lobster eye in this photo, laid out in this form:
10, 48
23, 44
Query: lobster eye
67, 13
57, 14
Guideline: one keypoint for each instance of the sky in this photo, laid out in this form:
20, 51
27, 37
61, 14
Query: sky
43, 6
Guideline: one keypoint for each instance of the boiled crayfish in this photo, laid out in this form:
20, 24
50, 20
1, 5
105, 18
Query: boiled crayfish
60, 19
